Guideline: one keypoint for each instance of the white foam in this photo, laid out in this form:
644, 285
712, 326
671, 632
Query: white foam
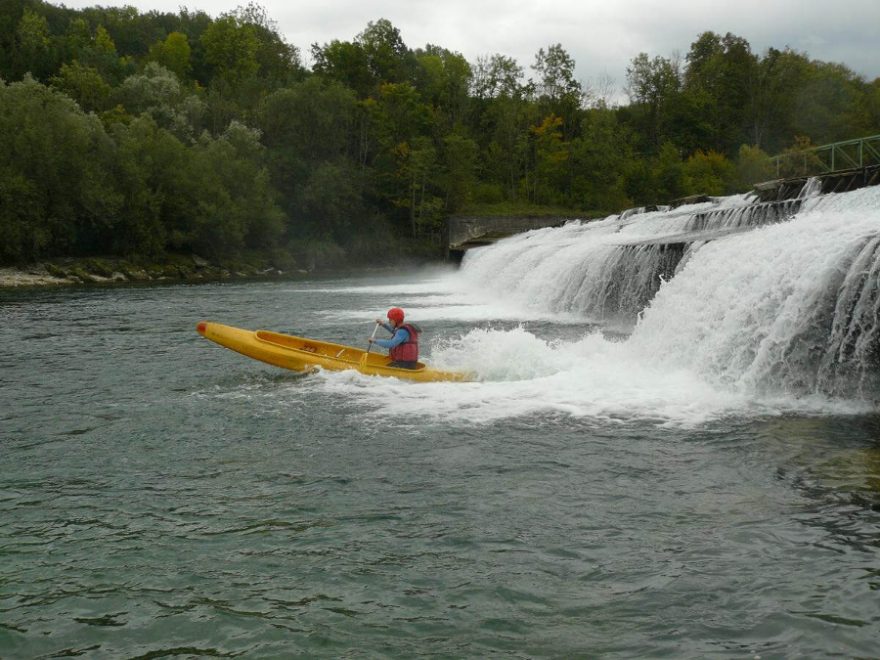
732, 312
716, 341
524, 377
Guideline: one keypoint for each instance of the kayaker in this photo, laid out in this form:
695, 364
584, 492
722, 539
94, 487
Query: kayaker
403, 347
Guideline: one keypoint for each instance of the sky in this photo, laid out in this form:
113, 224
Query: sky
602, 36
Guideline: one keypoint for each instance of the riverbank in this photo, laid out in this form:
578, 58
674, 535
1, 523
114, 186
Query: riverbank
180, 269
108, 271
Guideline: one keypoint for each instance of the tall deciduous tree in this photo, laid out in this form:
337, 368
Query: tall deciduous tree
388, 58
55, 157
174, 53
653, 84
85, 84
721, 80
231, 49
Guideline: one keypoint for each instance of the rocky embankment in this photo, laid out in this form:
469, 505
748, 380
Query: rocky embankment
115, 271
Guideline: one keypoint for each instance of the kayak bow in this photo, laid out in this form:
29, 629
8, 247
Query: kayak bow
301, 354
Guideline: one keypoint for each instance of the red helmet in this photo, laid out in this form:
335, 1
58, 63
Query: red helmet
395, 314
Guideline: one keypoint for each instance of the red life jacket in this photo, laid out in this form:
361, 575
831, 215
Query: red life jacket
408, 351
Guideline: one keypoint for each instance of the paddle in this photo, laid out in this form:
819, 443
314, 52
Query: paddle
370, 344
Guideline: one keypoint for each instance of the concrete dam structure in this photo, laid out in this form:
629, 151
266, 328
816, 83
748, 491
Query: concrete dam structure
772, 200
774, 290
466, 232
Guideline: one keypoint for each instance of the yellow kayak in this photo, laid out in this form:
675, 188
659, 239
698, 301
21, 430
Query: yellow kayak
300, 354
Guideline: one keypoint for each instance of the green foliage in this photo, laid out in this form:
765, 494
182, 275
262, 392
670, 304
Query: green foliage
719, 75
173, 53
415, 163
797, 160
752, 166
442, 79
53, 155
32, 37
230, 48
653, 85
388, 58
601, 160
496, 76
346, 63
278, 62
84, 84
234, 203
668, 174
459, 170
158, 93
709, 173
331, 203
132, 133
558, 91
551, 157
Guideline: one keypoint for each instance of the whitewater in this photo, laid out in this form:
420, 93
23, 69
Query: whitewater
619, 319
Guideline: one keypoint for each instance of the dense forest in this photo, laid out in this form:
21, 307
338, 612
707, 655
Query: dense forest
128, 133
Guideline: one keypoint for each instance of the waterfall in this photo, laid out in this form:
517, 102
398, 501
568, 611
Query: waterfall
753, 296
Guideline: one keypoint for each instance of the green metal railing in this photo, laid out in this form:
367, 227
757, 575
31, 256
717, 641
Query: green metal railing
849, 154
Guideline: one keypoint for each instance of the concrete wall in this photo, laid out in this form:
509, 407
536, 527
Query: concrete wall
465, 231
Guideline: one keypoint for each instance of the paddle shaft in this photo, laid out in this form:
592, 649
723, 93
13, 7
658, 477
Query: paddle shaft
373, 336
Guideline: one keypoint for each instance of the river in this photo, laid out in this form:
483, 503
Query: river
160, 495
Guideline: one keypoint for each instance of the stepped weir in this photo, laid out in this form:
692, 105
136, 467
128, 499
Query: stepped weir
772, 201
775, 289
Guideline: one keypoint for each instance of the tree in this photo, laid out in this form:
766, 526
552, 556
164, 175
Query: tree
870, 105
173, 53
827, 107
388, 58
151, 172
231, 49
55, 157
708, 173
32, 37
304, 126
278, 61
158, 93
780, 77
84, 84
459, 172
551, 158
653, 84
100, 54
496, 76
720, 78
416, 163
330, 203
667, 173
752, 166
443, 79
601, 158
234, 205
345, 63
399, 124
502, 118
555, 69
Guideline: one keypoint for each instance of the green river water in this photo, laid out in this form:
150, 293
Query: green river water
163, 496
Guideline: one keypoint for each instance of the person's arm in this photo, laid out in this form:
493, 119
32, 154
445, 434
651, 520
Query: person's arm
399, 337
385, 325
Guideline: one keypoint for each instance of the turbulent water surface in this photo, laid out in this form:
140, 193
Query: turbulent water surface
689, 488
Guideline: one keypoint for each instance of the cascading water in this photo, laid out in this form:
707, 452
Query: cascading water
753, 297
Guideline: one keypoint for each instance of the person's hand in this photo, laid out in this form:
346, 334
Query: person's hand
370, 339
380, 321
